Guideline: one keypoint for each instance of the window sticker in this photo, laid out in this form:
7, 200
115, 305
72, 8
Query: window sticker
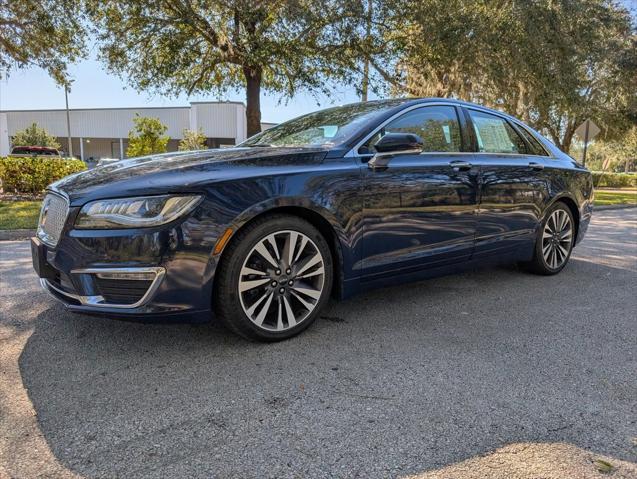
492, 135
329, 131
447, 132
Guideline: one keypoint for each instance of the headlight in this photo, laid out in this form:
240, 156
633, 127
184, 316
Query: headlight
139, 212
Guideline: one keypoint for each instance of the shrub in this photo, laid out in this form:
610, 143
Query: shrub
34, 174
603, 179
35, 136
147, 137
192, 140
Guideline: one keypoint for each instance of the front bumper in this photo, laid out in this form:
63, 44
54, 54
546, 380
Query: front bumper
121, 295
172, 271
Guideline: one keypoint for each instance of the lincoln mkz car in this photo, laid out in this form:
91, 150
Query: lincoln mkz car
329, 204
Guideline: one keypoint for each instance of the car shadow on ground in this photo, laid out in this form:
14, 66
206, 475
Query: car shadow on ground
395, 381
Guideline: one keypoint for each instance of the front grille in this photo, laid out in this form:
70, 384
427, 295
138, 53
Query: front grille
52, 218
122, 291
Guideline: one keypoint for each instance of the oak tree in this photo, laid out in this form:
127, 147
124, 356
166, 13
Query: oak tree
46, 33
181, 46
551, 63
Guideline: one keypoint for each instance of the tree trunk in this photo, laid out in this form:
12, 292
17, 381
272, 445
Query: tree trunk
568, 138
253, 99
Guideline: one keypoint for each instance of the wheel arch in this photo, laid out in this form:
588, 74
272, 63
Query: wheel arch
316, 219
572, 206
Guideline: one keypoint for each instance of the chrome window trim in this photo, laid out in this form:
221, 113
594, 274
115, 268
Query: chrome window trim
44, 237
508, 154
98, 301
353, 152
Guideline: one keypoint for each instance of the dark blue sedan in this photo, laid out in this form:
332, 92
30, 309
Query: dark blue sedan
329, 204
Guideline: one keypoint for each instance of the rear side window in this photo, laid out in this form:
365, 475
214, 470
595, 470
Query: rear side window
495, 135
438, 127
536, 148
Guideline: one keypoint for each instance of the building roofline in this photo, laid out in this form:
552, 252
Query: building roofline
129, 107
217, 102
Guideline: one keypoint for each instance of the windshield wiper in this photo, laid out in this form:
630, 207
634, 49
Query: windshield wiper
260, 145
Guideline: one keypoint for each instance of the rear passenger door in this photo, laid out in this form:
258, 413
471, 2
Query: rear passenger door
512, 186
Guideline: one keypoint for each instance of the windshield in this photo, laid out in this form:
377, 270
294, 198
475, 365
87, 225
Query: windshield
331, 127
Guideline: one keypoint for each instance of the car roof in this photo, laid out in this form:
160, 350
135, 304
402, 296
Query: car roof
400, 103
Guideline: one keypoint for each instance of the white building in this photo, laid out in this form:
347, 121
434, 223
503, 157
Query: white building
103, 132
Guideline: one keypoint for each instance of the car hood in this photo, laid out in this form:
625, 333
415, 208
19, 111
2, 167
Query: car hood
183, 171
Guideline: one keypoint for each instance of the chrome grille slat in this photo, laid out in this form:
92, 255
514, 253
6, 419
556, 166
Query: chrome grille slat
53, 216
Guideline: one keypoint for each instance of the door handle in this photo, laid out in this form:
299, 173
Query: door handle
536, 166
458, 165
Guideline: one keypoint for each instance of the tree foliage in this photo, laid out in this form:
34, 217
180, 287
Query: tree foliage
35, 136
44, 33
177, 46
147, 137
616, 155
192, 140
552, 63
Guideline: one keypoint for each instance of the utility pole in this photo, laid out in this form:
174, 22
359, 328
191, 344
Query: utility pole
68, 121
368, 32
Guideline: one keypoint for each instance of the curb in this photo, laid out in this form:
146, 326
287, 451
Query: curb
15, 235
612, 207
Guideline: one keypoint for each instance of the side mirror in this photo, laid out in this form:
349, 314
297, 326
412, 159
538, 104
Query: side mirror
394, 144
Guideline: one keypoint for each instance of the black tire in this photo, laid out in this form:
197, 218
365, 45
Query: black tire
227, 302
539, 264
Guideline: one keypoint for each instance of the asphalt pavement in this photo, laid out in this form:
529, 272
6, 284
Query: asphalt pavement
491, 373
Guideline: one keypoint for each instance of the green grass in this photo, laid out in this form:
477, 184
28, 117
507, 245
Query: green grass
615, 197
19, 215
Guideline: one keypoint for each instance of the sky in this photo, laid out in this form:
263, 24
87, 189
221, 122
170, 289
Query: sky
93, 87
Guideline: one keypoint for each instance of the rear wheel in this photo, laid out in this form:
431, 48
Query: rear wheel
274, 278
554, 243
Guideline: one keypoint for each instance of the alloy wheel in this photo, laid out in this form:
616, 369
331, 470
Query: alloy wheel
557, 238
281, 280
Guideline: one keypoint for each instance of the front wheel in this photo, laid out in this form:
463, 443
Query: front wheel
274, 278
554, 243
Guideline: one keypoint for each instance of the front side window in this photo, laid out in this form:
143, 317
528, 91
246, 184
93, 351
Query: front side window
438, 127
495, 135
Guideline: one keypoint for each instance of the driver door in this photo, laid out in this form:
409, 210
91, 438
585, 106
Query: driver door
420, 210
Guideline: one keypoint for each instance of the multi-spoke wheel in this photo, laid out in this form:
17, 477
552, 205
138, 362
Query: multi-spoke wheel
555, 243
281, 270
281, 280
556, 238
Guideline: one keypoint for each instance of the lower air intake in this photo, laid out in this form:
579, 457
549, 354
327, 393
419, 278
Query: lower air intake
122, 291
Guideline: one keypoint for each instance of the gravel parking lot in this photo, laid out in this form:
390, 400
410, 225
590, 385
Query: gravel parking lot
492, 373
